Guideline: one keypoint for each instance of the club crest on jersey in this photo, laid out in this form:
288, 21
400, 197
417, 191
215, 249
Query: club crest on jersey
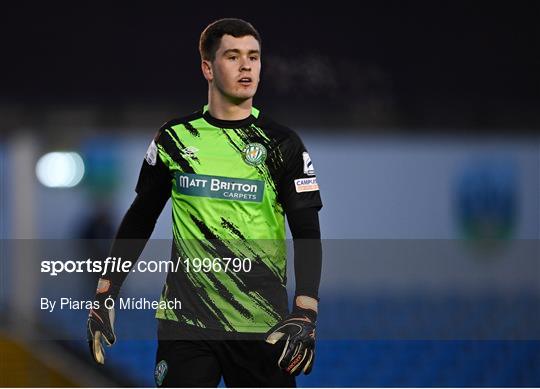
254, 154
160, 372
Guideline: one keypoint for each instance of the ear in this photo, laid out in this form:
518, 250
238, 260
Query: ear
206, 67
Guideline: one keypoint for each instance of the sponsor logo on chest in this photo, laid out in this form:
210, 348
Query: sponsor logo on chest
219, 187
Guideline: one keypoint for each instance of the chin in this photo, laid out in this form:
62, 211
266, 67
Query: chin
243, 96
246, 93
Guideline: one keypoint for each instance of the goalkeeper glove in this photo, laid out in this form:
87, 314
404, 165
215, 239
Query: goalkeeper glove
100, 324
297, 331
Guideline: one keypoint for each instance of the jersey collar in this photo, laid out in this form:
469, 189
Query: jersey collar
230, 123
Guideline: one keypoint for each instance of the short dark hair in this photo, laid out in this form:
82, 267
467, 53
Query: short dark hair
211, 36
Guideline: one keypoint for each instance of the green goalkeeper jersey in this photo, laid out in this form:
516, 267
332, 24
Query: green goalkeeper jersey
231, 184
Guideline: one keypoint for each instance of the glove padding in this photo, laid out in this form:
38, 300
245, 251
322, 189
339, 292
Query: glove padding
100, 326
297, 332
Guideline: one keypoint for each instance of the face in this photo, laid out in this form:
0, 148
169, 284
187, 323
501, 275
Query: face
236, 68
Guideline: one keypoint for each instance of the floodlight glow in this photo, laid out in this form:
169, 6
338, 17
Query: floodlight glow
60, 169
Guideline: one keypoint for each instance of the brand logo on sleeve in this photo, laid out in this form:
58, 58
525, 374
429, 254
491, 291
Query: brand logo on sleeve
254, 154
151, 154
306, 184
190, 151
308, 165
225, 188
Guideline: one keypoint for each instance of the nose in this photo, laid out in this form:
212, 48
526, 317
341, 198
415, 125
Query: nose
245, 65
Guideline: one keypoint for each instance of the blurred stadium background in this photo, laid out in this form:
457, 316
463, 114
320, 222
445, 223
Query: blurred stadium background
422, 121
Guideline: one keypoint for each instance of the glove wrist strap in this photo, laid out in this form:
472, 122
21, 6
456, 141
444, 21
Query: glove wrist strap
309, 313
106, 289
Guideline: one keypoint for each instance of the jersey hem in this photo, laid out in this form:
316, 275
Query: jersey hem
174, 330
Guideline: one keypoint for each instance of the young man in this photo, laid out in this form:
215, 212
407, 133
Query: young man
233, 174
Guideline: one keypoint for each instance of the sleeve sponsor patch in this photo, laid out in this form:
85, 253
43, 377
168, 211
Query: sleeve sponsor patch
308, 165
151, 154
306, 184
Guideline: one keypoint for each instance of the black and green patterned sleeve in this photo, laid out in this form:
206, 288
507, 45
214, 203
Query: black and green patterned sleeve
155, 176
298, 185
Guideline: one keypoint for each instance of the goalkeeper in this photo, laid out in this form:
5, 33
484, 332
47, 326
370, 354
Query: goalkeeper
233, 176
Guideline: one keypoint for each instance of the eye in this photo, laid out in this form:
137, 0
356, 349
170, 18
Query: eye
254, 58
232, 58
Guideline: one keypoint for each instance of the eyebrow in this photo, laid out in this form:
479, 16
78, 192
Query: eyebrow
237, 51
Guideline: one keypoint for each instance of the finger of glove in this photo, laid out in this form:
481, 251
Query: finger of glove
290, 352
309, 363
277, 332
106, 331
285, 354
96, 348
274, 337
297, 362
108, 336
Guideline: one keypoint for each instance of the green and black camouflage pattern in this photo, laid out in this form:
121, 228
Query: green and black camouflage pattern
232, 183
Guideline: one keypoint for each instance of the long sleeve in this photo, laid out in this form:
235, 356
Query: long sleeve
304, 226
153, 190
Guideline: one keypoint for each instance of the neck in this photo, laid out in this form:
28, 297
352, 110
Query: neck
224, 108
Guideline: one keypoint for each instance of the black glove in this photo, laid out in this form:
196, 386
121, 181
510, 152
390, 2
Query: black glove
297, 332
100, 324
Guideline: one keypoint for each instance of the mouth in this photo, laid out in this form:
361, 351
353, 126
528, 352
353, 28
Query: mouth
245, 81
